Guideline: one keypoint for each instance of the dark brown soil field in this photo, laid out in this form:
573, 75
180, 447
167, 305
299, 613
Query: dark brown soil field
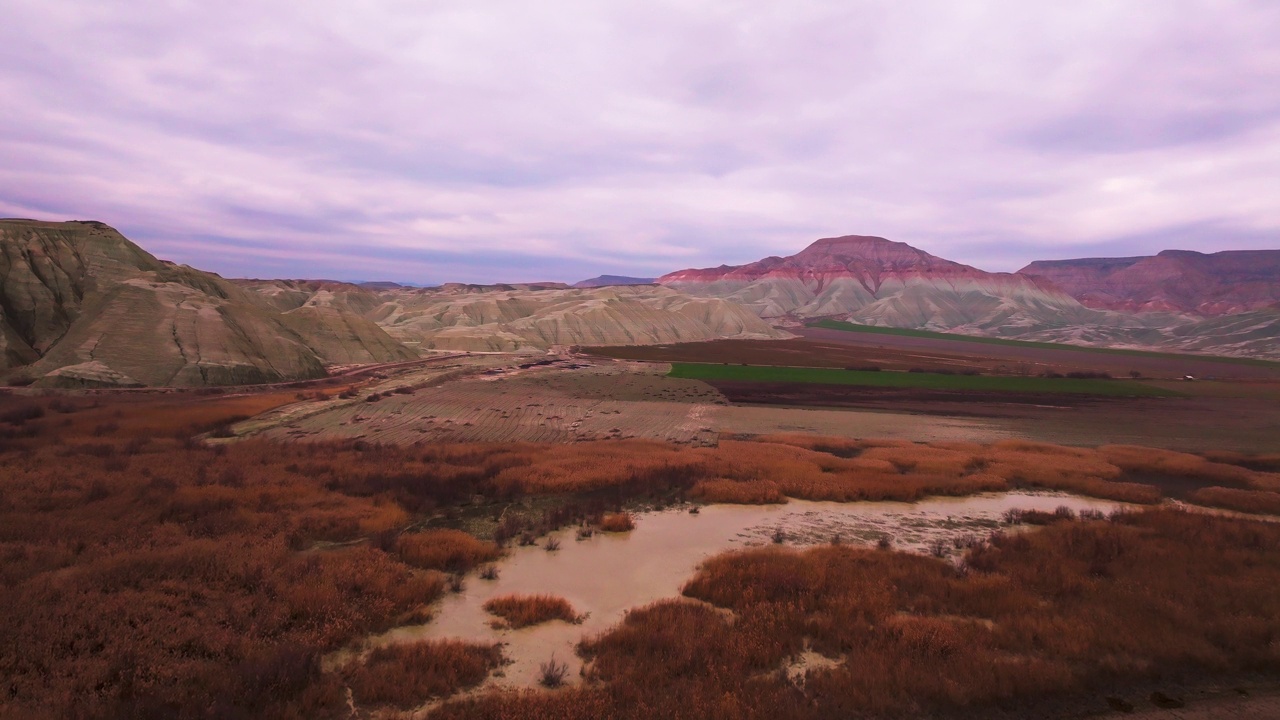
1244, 417
1039, 359
932, 402
838, 349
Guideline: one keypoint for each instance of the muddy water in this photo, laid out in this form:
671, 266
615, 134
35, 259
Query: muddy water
606, 574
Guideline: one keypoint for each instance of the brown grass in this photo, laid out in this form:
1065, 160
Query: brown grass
1075, 608
406, 676
147, 575
1150, 460
1262, 502
746, 492
451, 551
519, 611
617, 522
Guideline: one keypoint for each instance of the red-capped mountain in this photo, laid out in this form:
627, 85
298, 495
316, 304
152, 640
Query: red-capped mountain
1183, 281
881, 282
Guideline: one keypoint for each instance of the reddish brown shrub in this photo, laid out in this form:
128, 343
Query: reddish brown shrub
749, 492
519, 611
1260, 502
446, 550
406, 676
617, 522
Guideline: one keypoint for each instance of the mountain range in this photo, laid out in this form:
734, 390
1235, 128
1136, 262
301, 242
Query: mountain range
1209, 285
1223, 302
80, 305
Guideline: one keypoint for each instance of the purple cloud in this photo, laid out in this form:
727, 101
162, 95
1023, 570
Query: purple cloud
430, 142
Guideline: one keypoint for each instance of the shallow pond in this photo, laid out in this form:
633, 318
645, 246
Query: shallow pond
607, 574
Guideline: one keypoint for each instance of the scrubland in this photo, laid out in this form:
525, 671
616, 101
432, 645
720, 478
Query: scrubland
1080, 608
406, 676
147, 574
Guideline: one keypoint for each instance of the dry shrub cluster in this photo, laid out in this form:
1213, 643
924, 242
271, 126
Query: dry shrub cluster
147, 576
746, 492
1262, 502
617, 522
519, 611
406, 676
1077, 607
450, 551
1145, 460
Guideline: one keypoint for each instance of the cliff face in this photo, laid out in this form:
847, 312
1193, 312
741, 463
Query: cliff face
1207, 285
83, 306
881, 282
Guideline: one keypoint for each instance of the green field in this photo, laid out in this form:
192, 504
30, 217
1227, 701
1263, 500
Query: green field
926, 381
905, 332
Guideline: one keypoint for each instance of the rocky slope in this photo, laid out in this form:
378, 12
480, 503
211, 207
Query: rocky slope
333, 317
1182, 281
508, 320
83, 306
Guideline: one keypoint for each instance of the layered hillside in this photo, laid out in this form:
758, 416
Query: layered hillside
83, 306
508, 320
1182, 281
333, 317
876, 281
1225, 303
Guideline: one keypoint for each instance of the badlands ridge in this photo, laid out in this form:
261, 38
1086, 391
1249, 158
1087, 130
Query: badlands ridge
80, 305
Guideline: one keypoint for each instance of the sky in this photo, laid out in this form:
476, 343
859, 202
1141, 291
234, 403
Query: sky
427, 141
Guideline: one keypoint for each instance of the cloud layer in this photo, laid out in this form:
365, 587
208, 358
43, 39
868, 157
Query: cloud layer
437, 141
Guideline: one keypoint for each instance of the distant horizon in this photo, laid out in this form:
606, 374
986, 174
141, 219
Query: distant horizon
458, 142
430, 284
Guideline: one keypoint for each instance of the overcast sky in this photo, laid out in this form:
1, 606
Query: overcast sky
425, 141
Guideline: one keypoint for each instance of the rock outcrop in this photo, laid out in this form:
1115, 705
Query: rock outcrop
1179, 281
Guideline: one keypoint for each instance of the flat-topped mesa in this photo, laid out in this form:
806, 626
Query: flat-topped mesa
1181, 281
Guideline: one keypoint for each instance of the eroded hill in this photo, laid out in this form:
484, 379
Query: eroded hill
1177, 300
82, 306
1212, 285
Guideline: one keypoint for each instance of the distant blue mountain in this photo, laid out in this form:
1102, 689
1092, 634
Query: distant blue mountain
604, 280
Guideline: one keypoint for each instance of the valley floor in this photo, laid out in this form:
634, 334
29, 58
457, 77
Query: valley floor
683, 548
